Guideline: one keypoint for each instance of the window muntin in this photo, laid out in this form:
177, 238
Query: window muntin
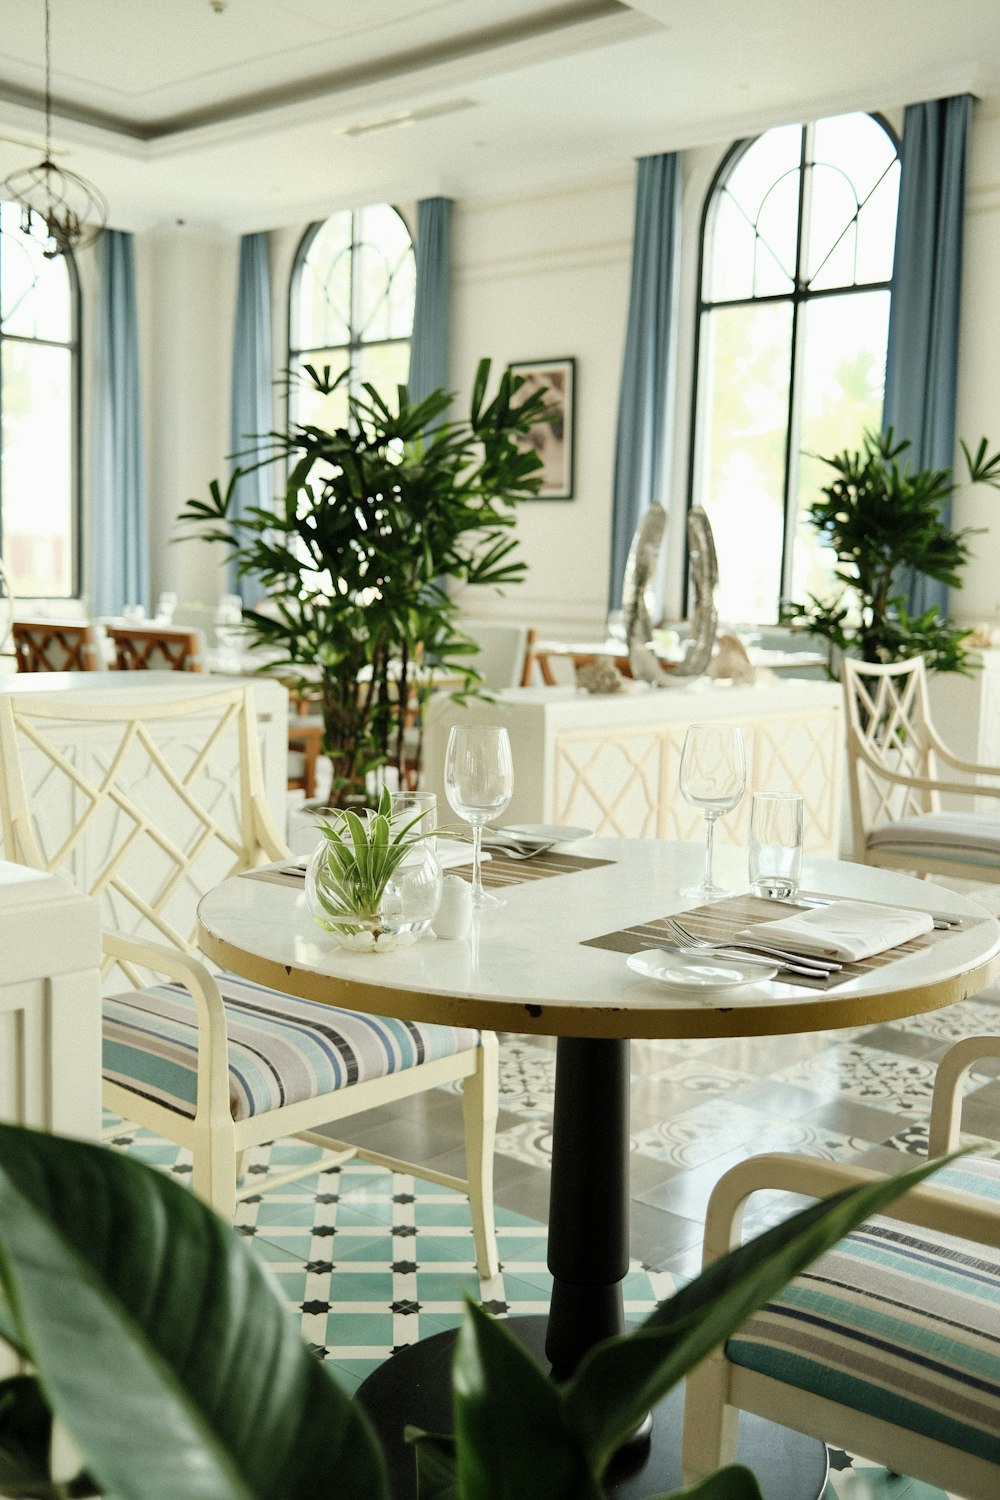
39, 374
793, 319
351, 308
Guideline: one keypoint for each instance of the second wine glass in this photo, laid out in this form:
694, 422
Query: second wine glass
714, 778
479, 783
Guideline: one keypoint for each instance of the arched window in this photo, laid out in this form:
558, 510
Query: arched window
351, 307
39, 383
796, 262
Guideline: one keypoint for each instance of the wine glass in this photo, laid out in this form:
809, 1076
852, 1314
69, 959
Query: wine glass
479, 783
714, 778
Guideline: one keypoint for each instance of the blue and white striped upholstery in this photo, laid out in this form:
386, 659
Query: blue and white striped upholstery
281, 1050
898, 1322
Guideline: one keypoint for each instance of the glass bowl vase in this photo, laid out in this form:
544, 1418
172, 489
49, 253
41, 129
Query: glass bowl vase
401, 913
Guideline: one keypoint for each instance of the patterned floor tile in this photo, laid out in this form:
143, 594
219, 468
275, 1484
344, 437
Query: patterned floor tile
867, 1076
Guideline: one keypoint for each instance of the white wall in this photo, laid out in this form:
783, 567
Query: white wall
539, 278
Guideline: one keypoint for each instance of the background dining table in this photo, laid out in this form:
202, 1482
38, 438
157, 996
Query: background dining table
554, 960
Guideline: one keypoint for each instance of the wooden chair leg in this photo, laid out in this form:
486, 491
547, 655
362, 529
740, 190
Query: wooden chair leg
480, 1102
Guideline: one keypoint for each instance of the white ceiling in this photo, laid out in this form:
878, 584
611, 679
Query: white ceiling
272, 112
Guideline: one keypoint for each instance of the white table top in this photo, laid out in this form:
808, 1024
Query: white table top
523, 967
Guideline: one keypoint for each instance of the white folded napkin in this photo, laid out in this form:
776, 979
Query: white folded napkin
846, 929
451, 852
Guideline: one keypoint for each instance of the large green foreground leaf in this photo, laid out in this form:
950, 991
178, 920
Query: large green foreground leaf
159, 1340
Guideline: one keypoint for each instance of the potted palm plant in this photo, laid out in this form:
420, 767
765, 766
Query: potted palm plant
883, 521
159, 1342
376, 519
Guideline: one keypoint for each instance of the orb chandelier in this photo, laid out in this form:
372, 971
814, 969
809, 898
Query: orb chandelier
72, 212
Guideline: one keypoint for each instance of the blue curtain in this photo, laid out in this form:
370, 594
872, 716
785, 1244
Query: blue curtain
643, 424
119, 543
250, 405
432, 306
922, 358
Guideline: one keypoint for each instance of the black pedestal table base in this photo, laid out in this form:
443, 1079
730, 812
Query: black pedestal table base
588, 1257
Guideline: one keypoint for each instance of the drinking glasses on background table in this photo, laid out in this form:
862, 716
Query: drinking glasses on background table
416, 810
713, 777
479, 783
775, 858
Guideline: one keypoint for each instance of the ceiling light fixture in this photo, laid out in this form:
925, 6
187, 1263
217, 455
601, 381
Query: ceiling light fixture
72, 211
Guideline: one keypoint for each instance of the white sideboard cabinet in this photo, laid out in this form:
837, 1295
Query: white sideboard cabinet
611, 763
50, 1004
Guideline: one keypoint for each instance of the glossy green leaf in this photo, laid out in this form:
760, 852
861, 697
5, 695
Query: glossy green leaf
437, 1472
159, 1340
512, 1439
735, 1482
621, 1380
25, 1443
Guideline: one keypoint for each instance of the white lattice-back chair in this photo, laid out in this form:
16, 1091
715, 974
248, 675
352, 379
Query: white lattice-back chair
894, 755
889, 1345
146, 806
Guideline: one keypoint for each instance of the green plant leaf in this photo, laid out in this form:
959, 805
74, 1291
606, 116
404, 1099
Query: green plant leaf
437, 1474
620, 1380
512, 1440
160, 1342
734, 1482
26, 1442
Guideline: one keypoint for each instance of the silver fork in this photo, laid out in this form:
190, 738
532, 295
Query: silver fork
797, 962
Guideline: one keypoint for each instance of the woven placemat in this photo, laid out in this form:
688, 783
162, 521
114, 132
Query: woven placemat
720, 921
498, 870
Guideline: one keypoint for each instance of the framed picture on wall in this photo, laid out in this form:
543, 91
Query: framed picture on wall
551, 440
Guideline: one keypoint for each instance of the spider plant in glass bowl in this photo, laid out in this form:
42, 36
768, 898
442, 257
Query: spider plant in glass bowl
374, 880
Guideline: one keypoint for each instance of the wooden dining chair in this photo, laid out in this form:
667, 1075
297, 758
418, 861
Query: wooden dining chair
56, 646
894, 761
889, 1345
164, 648
212, 1062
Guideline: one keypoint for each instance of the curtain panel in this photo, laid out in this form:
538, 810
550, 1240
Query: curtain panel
922, 359
432, 305
119, 540
643, 409
250, 415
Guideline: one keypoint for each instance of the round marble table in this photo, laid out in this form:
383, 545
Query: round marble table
528, 967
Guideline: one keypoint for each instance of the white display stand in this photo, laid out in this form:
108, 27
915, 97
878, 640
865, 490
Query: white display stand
611, 763
270, 696
50, 1004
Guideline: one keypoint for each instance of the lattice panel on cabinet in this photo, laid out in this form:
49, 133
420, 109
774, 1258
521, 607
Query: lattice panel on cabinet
626, 783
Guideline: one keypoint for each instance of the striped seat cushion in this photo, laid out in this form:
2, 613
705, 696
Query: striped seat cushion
897, 1322
281, 1050
970, 838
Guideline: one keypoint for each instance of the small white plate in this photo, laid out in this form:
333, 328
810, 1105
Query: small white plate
689, 971
548, 833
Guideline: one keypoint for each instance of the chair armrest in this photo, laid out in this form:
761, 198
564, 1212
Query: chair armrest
947, 754
213, 1037
926, 1206
946, 1104
931, 783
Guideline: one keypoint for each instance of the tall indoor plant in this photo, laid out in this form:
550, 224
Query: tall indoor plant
376, 518
883, 521
158, 1340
